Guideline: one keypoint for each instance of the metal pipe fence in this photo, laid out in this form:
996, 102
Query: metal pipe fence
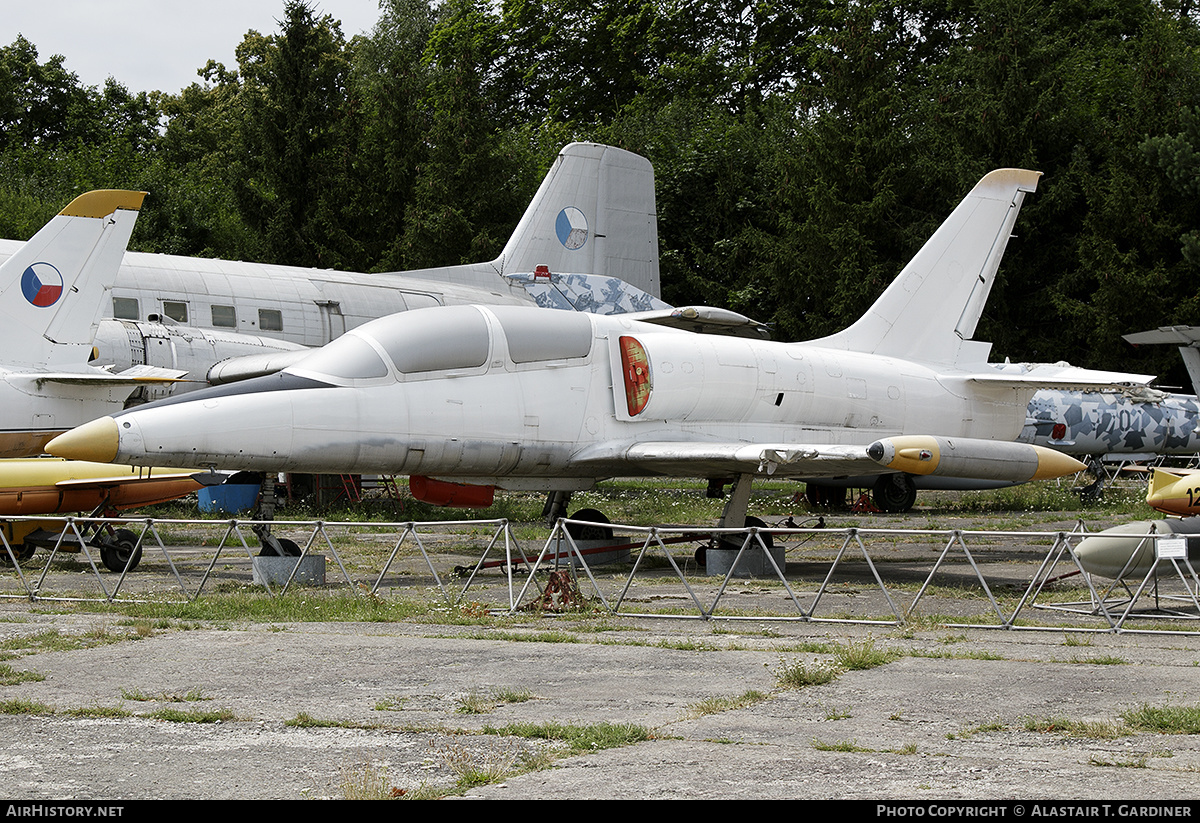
894, 577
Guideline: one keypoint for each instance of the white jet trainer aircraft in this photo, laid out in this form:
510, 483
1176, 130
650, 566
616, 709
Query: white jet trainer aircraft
468, 398
52, 289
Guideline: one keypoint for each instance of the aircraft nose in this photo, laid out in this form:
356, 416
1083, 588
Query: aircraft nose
96, 442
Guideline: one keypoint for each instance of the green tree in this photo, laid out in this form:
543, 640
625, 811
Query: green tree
476, 178
391, 80
299, 134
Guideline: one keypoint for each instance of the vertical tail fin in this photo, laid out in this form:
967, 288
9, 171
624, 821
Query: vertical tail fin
593, 214
52, 289
935, 303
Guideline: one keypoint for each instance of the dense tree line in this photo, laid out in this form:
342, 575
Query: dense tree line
803, 151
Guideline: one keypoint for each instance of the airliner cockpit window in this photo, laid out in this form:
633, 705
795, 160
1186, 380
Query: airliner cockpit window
437, 339
348, 357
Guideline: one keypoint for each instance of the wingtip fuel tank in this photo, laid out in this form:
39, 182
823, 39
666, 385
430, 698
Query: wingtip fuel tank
1128, 551
971, 457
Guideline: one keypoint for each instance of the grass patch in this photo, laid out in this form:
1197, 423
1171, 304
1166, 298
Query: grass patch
23, 705
190, 696
192, 715
53, 640
11, 677
299, 606
716, 705
578, 739
99, 712
368, 781
797, 674
1164, 719
859, 655
968, 733
1140, 761
838, 746
1090, 729
304, 720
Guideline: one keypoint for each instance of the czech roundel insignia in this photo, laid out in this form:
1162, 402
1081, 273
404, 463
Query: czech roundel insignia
571, 228
42, 285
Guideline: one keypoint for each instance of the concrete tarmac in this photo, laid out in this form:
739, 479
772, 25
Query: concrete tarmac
332, 710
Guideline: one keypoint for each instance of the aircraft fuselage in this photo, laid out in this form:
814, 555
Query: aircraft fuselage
525, 398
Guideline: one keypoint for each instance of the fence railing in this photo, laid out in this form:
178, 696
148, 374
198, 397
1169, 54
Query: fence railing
864, 575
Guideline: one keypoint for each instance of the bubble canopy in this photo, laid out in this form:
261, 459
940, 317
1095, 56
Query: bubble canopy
450, 338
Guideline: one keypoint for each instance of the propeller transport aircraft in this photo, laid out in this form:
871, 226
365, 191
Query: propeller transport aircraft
466, 399
588, 241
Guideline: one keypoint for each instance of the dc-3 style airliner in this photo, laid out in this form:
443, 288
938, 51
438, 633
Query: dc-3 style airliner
588, 241
465, 399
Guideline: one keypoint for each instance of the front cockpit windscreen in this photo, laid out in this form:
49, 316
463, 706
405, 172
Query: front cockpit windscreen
437, 339
349, 357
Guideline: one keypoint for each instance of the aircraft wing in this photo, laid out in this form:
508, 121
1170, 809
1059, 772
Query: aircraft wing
98, 377
1057, 376
914, 454
202, 478
709, 459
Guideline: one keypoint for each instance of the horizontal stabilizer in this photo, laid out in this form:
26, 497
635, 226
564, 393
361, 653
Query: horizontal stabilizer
589, 293
254, 365
706, 320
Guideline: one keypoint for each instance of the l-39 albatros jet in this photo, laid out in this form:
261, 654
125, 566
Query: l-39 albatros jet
466, 399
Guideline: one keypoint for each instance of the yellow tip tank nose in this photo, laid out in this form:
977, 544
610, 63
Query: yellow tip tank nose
1051, 463
95, 441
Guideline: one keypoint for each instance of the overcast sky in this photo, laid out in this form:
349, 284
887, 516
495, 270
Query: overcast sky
156, 44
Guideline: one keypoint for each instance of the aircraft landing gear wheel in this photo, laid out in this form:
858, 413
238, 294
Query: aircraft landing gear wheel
734, 541
894, 493
121, 552
595, 529
826, 497
288, 548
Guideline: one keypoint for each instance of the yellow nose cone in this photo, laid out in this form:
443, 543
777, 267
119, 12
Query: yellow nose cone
95, 441
1051, 463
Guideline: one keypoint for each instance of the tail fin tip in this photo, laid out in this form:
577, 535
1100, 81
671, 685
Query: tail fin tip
103, 202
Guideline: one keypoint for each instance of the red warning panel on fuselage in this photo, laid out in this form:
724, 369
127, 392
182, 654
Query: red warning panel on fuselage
635, 367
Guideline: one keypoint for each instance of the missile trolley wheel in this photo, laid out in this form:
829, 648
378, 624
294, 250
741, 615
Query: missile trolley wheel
121, 551
23, 551
595, 529
894, 493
